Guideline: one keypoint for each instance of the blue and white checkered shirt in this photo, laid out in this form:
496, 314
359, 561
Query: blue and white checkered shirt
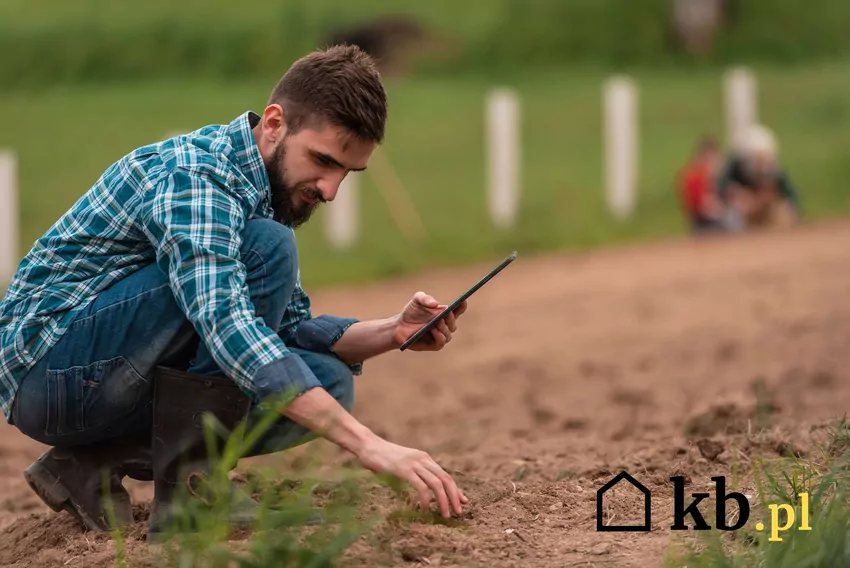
181, 203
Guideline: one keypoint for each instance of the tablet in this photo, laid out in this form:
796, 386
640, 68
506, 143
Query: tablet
454, 305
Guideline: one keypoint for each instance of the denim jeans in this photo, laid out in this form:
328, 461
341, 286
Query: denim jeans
97, 382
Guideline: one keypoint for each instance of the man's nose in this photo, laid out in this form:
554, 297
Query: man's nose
329, 186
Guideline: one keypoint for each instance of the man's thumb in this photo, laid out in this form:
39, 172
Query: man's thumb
426, 300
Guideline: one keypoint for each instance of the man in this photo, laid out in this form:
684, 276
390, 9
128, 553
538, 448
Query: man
754, 187
172, 288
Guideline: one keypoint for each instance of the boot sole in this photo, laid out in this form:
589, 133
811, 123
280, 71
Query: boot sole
56, 496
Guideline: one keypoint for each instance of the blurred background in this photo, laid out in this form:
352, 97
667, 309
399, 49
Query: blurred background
83, 82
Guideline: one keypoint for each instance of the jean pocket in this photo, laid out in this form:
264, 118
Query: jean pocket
91, 396
64, 403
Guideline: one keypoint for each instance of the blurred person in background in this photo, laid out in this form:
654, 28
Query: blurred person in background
754, 188
697, 182
172, 288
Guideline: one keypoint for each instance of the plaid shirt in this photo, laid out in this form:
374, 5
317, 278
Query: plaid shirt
181, 203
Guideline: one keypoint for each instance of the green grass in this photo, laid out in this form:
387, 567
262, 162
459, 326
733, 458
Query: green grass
818, 484
308, 523
66, 138
449, 15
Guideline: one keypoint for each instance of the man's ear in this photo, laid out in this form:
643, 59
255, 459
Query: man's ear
274, 122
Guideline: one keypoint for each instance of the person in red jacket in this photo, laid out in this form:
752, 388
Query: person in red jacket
697, 187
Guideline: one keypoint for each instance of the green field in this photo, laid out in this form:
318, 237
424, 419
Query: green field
444, 13
66, 138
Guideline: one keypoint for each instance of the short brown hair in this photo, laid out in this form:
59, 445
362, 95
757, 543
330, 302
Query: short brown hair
340, 84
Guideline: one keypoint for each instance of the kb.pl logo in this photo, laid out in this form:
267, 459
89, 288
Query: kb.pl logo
682, 510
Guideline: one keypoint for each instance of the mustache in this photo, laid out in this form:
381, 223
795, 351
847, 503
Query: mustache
315, 194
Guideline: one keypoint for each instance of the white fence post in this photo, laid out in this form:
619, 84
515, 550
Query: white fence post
621, 145
341, 214
740, 103
8, 215
503, 138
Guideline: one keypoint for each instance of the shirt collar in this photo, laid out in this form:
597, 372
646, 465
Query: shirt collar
248, 157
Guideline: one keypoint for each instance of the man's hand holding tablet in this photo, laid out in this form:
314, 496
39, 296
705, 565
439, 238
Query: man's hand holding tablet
426, 325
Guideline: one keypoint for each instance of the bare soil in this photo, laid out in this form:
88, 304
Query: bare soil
566, 370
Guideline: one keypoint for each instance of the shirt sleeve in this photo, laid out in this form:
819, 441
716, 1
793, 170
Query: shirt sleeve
318, 334
195, 225
297, 312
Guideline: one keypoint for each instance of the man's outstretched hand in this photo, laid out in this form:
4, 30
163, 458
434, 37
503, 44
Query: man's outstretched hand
320, 412
417, 468
419, 311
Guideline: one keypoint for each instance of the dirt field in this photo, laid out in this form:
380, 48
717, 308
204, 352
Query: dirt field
565, 371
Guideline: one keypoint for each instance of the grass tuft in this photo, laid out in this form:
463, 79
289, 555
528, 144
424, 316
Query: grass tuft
430, 517
814, 491
301, 522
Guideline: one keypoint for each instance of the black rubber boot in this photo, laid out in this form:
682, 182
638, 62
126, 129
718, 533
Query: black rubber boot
179, 446
72, 479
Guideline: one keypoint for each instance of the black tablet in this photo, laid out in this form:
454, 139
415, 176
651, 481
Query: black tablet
454, 305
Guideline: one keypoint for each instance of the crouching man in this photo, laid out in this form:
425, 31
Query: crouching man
172, 288
755, 188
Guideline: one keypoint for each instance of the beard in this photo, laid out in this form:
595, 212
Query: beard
283, 193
